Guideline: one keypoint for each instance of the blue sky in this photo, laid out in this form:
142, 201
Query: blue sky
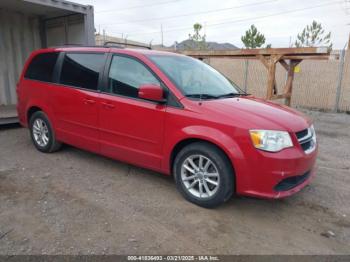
223, 21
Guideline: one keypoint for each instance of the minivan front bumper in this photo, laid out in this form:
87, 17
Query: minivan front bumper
275, 194
275, 175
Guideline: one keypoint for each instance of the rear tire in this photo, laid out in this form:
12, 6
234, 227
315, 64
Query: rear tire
42, 133
204, 175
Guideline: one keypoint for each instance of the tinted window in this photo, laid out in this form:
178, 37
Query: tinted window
82, 70
41, 67
127, 74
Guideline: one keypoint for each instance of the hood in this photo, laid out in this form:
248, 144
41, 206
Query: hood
254, 113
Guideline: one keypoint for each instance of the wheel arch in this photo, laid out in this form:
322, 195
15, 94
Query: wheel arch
31, 110
187, 141
35, 106
200, 133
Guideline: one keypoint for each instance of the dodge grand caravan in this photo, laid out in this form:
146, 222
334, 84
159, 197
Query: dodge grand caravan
169, 113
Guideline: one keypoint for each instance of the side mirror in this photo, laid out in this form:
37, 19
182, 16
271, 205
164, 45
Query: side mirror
152, 92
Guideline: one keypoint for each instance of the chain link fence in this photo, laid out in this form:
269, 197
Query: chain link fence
318, 84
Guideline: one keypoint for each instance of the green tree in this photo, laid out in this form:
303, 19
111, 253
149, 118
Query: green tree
313, 35
197, 40
253, 38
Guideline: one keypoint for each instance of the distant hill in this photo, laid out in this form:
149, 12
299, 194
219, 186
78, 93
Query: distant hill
189, 44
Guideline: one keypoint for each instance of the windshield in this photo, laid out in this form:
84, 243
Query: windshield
195, 78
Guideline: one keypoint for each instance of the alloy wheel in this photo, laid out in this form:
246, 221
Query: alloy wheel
40, 132
200, 176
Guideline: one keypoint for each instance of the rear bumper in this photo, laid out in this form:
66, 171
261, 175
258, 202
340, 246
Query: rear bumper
275, 175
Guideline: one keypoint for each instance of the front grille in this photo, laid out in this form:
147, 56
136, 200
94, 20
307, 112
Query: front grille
291, 182
302, 133
306, 146
307, 139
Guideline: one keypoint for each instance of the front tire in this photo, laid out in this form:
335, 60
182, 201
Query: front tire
42, 133
203, 174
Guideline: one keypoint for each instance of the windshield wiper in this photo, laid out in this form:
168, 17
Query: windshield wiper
232, 95
208, 96
203, 96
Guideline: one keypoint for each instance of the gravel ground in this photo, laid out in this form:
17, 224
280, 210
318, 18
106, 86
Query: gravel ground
76, 202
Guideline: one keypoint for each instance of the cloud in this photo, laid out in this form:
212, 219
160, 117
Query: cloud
223, 26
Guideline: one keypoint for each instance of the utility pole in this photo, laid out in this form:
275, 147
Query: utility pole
104, 36
161, 34
349, 43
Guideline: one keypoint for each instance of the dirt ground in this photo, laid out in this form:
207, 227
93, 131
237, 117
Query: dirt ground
75, 202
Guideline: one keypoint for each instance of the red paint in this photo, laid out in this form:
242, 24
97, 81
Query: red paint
151, 92
145, 133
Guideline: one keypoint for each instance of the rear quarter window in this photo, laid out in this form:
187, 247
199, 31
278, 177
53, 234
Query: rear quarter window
42, 67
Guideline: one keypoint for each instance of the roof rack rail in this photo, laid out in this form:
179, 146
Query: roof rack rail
121, 44
79, 45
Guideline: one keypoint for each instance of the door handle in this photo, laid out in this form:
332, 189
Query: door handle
89, 101
107, 105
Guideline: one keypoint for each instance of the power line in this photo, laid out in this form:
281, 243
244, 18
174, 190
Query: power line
239, 20
136, 6
193, 13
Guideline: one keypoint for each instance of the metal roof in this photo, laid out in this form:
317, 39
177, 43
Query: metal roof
46, 8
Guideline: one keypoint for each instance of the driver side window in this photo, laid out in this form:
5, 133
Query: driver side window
127, 74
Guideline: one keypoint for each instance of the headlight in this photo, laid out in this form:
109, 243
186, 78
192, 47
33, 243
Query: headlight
270, 140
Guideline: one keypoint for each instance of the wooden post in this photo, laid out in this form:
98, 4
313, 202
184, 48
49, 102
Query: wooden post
289, 83
271, 81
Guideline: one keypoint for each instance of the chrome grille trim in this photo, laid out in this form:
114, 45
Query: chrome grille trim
309, 138
306, 138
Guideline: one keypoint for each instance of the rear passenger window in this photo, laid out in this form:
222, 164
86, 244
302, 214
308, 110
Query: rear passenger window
127, 74
82, 70
41, 67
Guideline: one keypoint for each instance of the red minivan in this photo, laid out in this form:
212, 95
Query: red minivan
169, 113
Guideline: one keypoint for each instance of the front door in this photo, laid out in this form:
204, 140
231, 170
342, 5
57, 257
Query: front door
131, 129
